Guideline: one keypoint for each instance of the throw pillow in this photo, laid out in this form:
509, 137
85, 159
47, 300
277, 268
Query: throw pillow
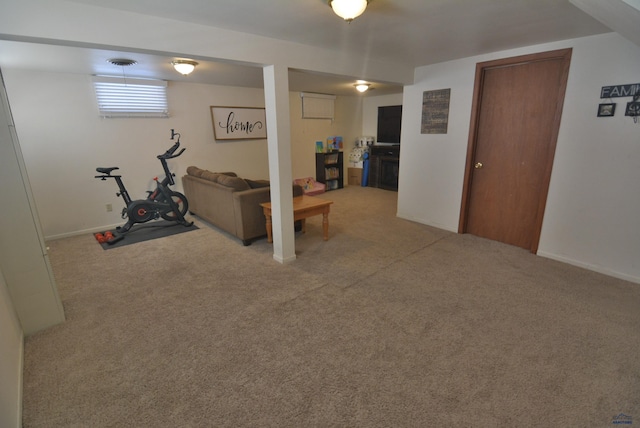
236, 183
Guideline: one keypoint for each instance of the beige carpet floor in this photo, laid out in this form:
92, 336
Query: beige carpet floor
388, 324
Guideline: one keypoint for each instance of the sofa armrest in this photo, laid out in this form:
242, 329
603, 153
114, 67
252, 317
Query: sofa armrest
249, 217
210, 201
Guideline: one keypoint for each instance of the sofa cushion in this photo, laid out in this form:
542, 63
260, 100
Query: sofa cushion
195, 171
210, 176
235, 183
256, 184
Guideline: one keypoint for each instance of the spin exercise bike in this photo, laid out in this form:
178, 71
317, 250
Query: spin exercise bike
162, 202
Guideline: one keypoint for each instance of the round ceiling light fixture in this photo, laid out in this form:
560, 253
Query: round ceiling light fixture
348, 9
184, 66
362, 87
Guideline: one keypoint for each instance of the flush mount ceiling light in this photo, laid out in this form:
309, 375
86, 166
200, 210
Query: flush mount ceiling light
362, 87
348, 9
184, 66
122, 62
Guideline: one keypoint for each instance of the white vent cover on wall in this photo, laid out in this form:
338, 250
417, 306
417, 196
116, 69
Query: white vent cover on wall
125, 97
317, 106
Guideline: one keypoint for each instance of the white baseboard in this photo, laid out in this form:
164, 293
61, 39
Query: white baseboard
426, 223
589, 266
284, 260
82, 232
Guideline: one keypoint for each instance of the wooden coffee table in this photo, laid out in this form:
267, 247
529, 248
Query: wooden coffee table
303, 207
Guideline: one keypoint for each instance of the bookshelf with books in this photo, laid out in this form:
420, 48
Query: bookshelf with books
329, 169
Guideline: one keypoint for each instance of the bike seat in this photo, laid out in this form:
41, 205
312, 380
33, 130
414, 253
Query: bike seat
106, 170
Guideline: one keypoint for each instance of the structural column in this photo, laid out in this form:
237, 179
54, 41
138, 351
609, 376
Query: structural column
276, 94
24, 262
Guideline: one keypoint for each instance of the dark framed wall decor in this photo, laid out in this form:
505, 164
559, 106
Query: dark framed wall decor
238, 123
606, 110
435, 111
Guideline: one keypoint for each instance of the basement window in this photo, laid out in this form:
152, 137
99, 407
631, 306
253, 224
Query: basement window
317, 106
125, 97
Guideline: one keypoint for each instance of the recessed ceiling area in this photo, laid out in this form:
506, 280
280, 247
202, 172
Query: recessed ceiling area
91, 61
411, 33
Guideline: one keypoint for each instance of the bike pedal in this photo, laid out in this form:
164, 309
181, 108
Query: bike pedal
115, 239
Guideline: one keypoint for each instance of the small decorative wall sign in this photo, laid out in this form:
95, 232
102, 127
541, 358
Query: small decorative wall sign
435, 111
239, 123
620, 91
606, 110
633, 109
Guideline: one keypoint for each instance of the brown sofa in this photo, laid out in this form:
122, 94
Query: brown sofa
229, 202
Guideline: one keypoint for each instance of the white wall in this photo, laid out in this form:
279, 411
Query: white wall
23, 256
63, 140
592, 207
305, 132
11, 352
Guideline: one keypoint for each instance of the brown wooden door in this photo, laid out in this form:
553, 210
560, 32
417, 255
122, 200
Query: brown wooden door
516, 117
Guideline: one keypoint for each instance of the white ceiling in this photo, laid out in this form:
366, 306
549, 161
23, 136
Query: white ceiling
418, 32
413, 32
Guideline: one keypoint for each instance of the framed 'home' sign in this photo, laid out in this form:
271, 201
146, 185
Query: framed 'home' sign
239, 123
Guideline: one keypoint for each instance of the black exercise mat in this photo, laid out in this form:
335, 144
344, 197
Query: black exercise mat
147, 231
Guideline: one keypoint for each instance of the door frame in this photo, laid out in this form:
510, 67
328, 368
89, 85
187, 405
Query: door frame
565, 56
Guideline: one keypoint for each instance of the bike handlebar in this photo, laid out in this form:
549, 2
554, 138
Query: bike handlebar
169, 154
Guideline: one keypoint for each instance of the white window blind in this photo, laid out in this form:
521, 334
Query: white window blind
317, 106
125, 97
